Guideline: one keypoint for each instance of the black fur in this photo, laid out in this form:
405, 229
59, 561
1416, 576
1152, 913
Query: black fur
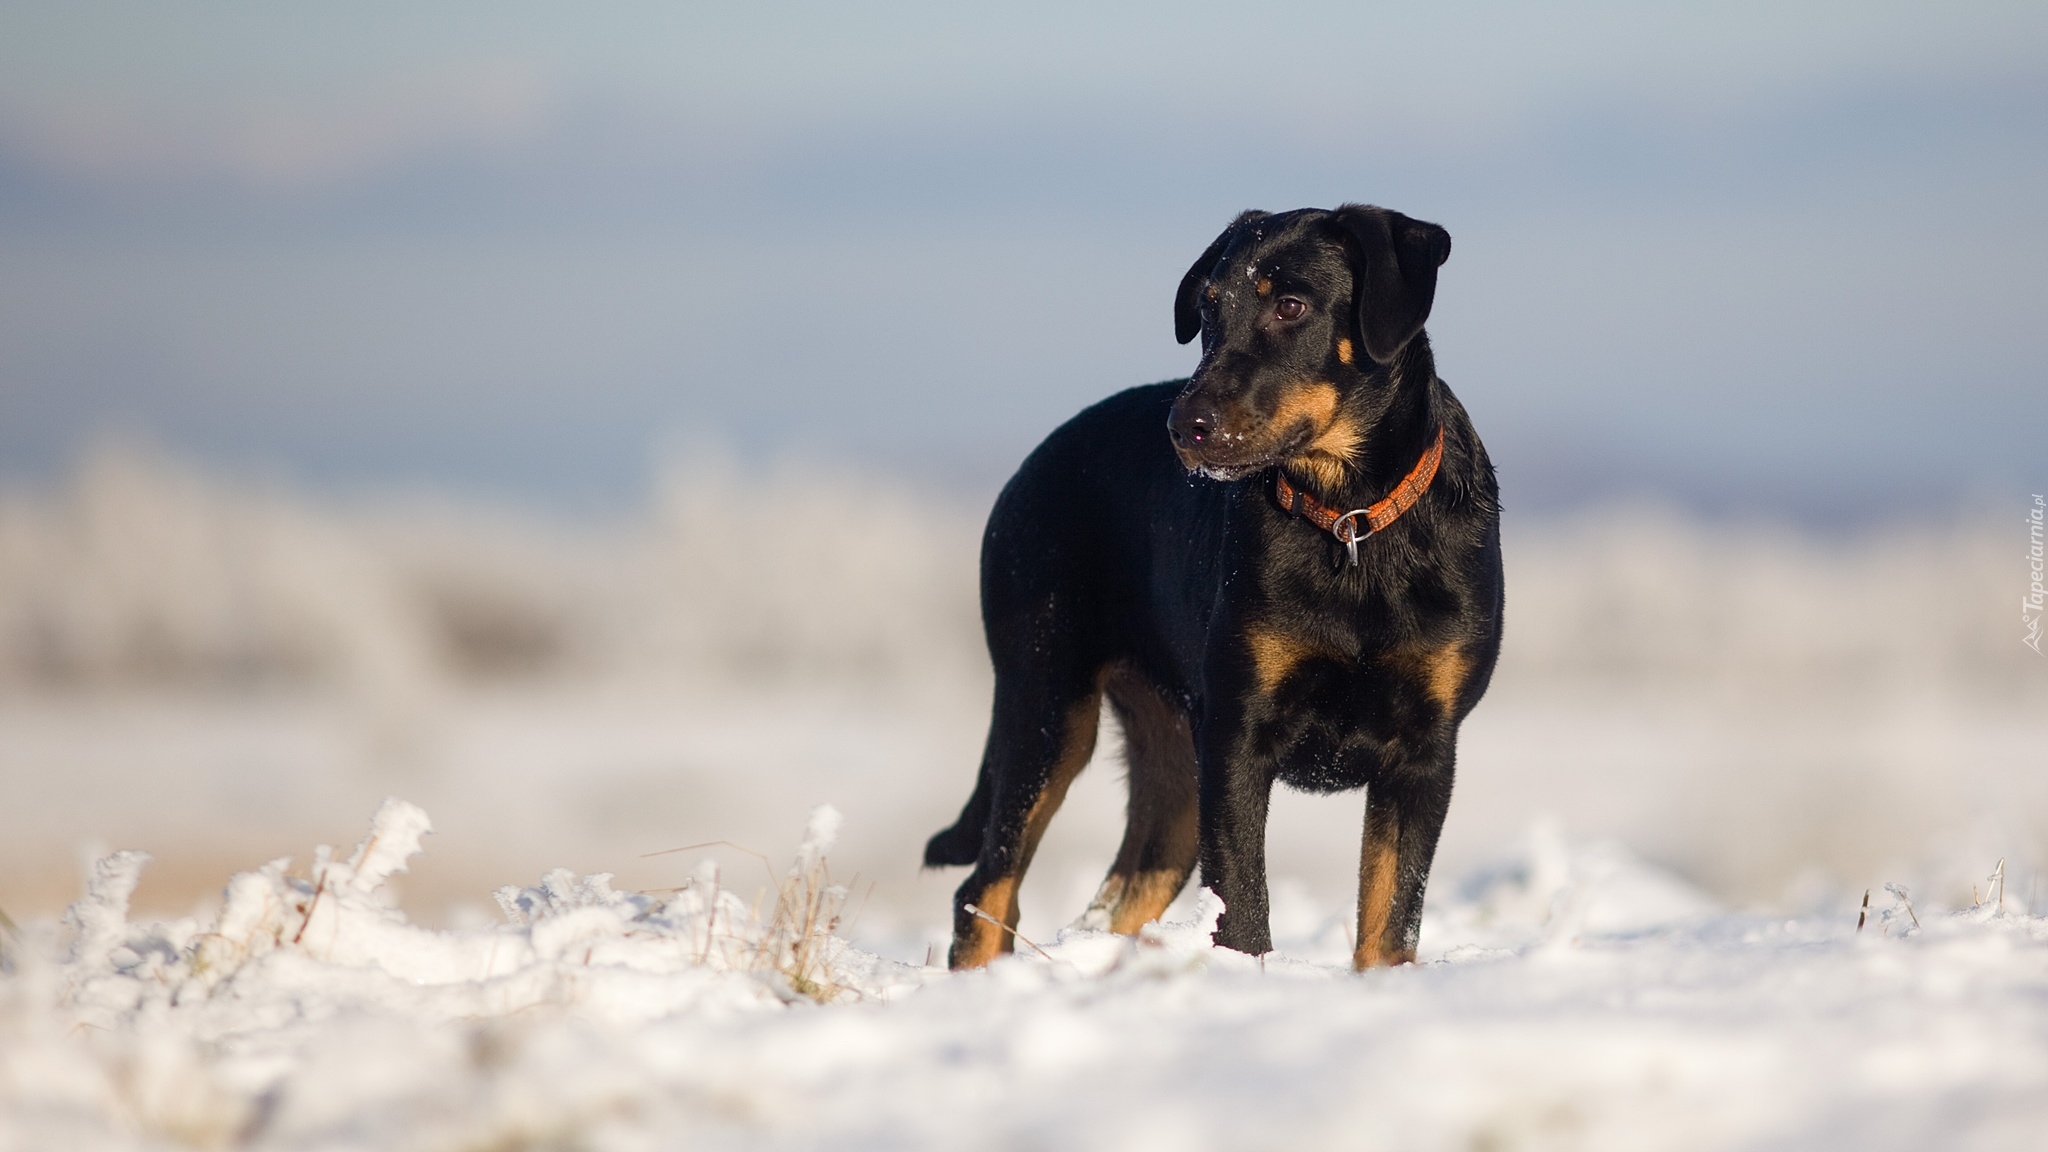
1139, 553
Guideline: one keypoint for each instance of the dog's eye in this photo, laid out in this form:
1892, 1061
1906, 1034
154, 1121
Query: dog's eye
1290, 309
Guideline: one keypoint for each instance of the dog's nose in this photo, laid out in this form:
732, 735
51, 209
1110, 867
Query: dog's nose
1191, 423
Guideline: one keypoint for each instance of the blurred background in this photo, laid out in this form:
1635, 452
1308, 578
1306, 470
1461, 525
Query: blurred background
402, 399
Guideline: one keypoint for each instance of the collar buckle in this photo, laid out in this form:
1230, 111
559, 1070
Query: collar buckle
1345, 528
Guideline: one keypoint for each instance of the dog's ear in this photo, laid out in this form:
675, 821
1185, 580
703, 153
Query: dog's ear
1187, 309
1393, 272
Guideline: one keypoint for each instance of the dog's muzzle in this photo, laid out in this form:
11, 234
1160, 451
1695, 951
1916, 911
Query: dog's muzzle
1193, 424
1208, 441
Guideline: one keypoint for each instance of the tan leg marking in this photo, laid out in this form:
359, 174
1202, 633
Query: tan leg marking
1079, 748
1145, 898
1162, 832
999, 898
1379, 865
1101, 911
984, 941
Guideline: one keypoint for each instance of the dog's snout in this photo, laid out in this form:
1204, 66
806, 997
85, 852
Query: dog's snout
1192, 421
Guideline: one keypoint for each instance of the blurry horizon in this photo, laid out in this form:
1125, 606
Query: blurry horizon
1743, 260
219, 672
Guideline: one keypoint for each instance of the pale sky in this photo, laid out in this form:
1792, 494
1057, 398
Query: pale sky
1753, 256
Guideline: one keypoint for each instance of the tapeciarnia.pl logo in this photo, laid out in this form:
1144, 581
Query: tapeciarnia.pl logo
2036, 599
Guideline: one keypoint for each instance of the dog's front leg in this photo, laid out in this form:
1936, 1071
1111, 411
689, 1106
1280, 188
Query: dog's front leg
1235, 793
1403, 817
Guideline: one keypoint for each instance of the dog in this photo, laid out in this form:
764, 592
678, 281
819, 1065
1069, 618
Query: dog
1285, 568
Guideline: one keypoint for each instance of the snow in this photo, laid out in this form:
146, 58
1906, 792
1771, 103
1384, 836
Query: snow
1571, 996
618, 716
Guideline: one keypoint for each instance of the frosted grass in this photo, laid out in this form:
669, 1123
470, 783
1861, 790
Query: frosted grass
1571, 996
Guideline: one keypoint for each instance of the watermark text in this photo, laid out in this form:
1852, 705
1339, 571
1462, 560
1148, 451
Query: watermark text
2036, 599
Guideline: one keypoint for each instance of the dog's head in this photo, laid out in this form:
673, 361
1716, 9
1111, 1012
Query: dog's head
1296, 311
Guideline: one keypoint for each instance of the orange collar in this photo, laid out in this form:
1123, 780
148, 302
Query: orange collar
1344, 525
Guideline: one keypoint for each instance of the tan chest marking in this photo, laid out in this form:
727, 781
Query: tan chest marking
1442, 671
1274, 655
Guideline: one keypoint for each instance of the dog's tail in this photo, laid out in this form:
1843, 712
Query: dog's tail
961, 844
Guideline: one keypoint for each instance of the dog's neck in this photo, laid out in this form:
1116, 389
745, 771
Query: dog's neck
1398, 410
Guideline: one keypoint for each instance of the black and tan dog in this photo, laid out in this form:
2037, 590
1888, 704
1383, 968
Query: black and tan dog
1285, 568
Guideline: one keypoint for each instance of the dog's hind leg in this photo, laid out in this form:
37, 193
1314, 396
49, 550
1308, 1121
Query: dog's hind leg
1041, 736
1161, 831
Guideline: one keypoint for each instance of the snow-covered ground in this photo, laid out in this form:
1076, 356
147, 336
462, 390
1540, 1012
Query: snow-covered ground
1705, 741
1570, 997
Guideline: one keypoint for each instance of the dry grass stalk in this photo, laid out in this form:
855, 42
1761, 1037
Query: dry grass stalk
972, 910
1994, 888
1903, 898
799, 940
319, 890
